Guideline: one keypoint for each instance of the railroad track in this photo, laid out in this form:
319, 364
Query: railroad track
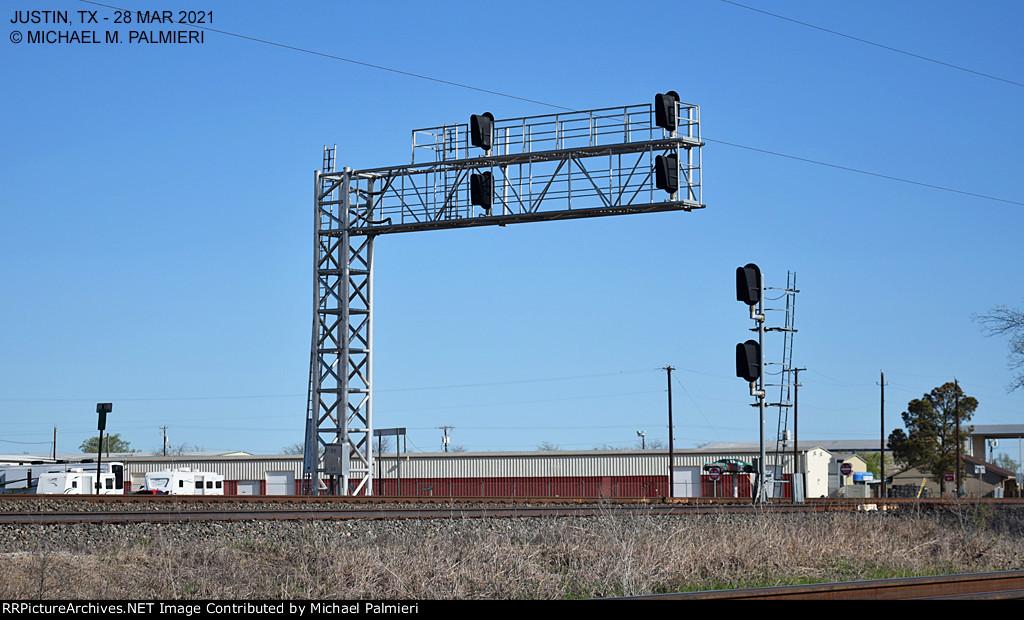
135, 509
1003, 585
336, 513
777, 504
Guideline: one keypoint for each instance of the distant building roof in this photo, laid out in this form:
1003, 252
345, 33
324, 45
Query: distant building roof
78, 457
832, 445
989, 467
999, 430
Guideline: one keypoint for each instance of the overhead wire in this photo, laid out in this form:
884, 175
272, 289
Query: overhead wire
867, 172
566, 108
570, 109
699, 410
393, 390
879, 45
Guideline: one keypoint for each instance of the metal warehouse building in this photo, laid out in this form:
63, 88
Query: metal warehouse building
593, 473
589, 473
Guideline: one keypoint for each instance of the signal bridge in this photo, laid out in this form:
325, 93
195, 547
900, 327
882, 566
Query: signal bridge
487, 172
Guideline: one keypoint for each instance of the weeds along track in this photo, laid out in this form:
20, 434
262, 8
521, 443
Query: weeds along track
616, 551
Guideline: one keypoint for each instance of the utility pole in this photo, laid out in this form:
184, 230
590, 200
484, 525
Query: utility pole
796, 436
956, 395
164, 429
671, 442
445, 440
54, 443
882, 446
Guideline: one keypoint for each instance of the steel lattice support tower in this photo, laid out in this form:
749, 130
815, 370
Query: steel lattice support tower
341, 384
612, 161
786, 375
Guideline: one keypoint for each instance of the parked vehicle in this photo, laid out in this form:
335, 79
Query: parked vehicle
62, 478
184, 481
731, 466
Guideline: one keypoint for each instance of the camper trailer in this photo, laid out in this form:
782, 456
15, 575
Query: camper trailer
62, 478
184, 481
77, 481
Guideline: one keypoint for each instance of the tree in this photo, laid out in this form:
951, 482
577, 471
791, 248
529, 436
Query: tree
873, 462
1006, 462
111, 443
929, 442
184, 448
1009, 322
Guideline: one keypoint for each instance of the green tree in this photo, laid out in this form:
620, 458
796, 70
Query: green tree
111, 443
1006, 462
929, 443
873, 461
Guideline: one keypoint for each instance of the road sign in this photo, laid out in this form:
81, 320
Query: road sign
949, 476
846, 469
714, 473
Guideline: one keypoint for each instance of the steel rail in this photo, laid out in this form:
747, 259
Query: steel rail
1003, 585
127, 509
784, 505
174, 514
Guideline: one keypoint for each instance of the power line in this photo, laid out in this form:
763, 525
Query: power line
266, 396
867, 172
449, 406
353, 61
699, 410
867, 42
569, 109
147, 399
513, 382
26, 442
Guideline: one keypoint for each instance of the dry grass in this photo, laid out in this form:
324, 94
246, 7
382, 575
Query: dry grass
614, 554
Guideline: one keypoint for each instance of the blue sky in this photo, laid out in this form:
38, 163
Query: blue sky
157, 221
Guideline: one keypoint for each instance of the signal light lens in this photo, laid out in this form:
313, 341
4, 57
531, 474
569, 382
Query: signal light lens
748, 284
748, 360
665, 110
481, 130
481, 190
666, 173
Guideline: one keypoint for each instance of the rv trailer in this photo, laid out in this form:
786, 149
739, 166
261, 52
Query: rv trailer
62, 478
184, 481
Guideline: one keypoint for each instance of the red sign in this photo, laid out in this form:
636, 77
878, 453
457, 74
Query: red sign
846, 469
949, 476
714, 473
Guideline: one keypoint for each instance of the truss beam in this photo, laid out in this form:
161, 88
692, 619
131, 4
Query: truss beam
543, 168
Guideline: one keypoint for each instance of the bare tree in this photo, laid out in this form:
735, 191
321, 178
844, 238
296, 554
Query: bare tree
1009, 322
184, 448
